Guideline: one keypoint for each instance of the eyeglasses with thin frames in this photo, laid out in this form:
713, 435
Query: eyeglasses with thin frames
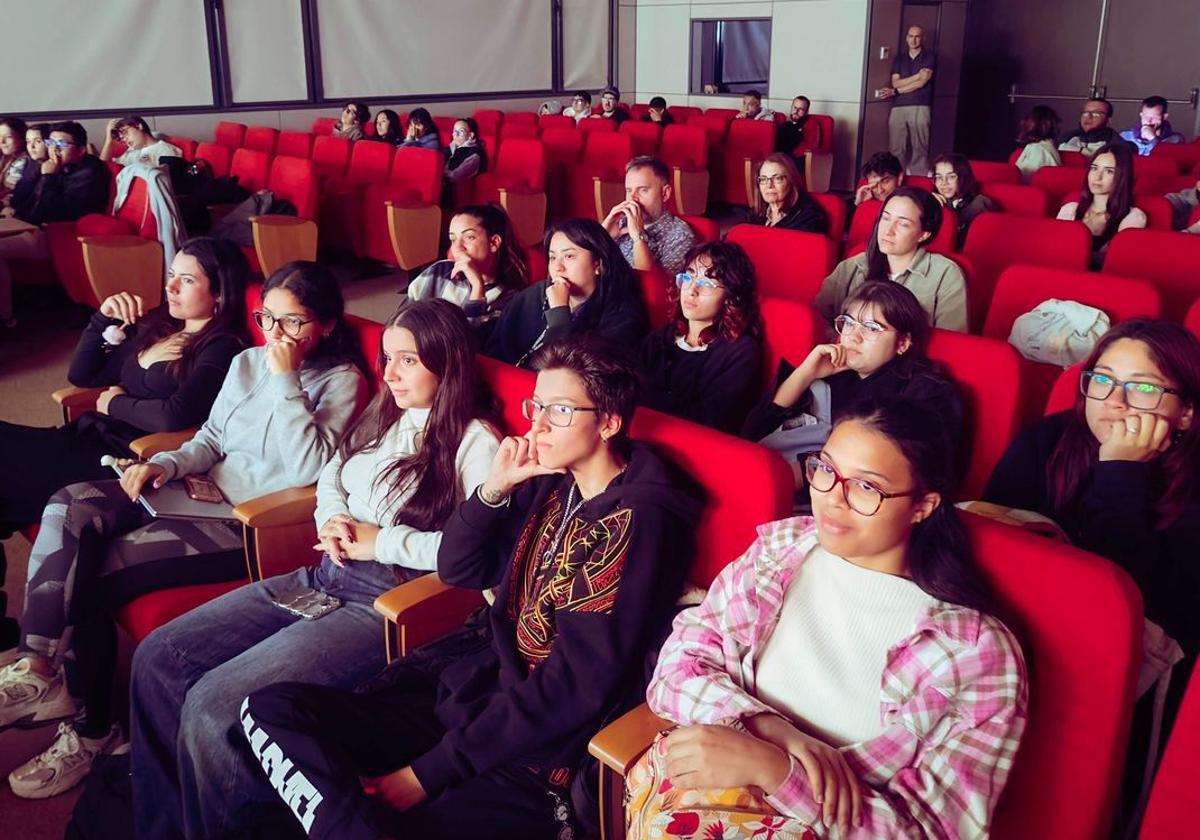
703, 285
774, 180
59, 144
870, 330
557, 414
862, 496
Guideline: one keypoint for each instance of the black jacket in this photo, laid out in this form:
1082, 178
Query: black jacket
1113, 516
614, 311
715, 387
806, 216
606, 599
69, 194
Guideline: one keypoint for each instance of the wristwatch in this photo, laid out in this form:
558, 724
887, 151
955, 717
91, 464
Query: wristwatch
643, 237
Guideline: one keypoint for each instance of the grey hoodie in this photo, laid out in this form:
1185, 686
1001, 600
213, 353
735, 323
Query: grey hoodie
268, 431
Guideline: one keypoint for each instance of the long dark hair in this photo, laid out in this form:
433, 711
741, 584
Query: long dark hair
393, 135
225, 266
615, 280
317, 289
361, 111
930, 218
739, 313
1041, 123
1176, 472
939, 554
422, 117
511, 270
445, 347
904, 313
18, 127
968, 186
1120, 200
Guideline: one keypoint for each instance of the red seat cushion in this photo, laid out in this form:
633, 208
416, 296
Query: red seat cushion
141, 616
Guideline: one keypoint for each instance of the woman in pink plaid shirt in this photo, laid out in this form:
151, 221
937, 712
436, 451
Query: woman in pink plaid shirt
844, 676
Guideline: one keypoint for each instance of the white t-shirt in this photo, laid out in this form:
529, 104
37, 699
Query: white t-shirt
150, 154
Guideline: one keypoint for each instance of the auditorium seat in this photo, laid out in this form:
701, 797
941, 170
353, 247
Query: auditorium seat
597, 182
1169, 260
835, 211
1174, 807
401, 220
520, 118
1061, 184
549, 121
445, 127
998, 240
727, 114
1021, 199
639, 110
216, 155
295, 144
330, 155
1022, 287
684, 150
251, 168
261, 138
323, 126
682, 113
370, 163
229, 134
706, 230
522, 131
993, 172
1065, 390
867, 213
1192, 319
563, 147
715, 129
596, 125
489, 120
789, 264
186, 145
748, 142
790, 331
1185, 156
921, 182
646, 136
1075, 160
655, 285
1157, 209
516, 179
280, 239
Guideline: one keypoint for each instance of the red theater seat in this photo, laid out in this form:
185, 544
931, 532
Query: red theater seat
521, 131
331, 156
414, 183
1169, 260
682, 113
748, 142
563, 148
217, 156
991, 172
549, 121
251, 168
1021, 199
1061, 184
1192, 319
229, 134
186, 145
604, 158
867, 213
295, 144
489, 120
261, 138
790, 330
324, 126
1185, 156
706, 230
1174, 807
835, 211
684, 150
1159, 213
646, 136
788, 264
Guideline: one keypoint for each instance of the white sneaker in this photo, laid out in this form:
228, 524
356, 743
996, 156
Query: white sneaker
28, 699
63, 765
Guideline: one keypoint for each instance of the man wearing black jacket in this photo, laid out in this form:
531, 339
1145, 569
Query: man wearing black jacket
586, 539
70, 184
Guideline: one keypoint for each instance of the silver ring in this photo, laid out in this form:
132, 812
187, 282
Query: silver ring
1133, 424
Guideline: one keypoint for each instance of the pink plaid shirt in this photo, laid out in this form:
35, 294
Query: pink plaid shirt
952, 701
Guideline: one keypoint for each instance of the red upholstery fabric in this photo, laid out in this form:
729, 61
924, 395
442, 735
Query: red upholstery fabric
186, 145
509, 385
655, 288
685, 146
727, 114
261, 138
790, 330
229, 134
295, 179
604, 155
1157, 209
1185, 156
988, 373
524, 131
683, 113
295, 144
1066, 388
445, 125
1079, 622
835, 210
1192, 319
639, 110
526, 117
825, 122
998, 240
563, 147
323, 126
521, 164
1169, 260
646, 136
753, 139
218, 157
549, 121
415, 178
1061, 184
921, 182
489, 120
535, 259
251, 168
1020, 199
787, 263
596, 125
1153, 164
1161, 183
141, 616
370, 163
331, 155
715, 128
1174, 807
991, 172
706, 230
1078, 160
866, 214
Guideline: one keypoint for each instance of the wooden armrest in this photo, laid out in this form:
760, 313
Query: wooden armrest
424, 609
150, 445
691, 191
279, 240
620, 744
527, 210
76, 401
415, 230
818, 170
606, 194
283, 507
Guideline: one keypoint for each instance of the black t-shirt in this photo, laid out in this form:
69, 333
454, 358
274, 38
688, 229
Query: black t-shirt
904, 66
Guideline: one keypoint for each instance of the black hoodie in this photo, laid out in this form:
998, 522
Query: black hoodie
568, 648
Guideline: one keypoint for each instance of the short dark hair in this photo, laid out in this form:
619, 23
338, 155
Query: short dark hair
41, 128
472, 124
1041, 123
807, 101
882, 163
1108, 106
584, 95
133, 121
658, 102
1155, 102
361, 111
652, 163
609, 380
78, 132
753, 93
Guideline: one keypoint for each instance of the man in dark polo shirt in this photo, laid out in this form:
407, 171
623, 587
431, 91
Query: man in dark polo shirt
912, 95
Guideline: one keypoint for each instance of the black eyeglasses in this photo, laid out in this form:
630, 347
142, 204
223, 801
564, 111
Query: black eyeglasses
557, 414
862, 496
1144, 396
292, 324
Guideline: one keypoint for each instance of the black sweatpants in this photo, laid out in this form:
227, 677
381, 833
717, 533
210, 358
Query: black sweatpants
315, 743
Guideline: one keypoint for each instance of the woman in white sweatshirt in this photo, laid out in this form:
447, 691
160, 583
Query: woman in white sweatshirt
276, 422
418, 450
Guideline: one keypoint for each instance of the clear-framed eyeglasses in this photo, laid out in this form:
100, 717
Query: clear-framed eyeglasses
557, 414
869, 330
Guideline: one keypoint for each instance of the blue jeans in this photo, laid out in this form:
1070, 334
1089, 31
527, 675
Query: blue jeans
193, 775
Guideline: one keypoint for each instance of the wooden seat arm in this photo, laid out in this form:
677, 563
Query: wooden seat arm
148, 446
283, 507
424, 609
75, 401
619, 745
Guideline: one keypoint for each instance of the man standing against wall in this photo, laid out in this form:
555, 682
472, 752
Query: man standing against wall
912, 97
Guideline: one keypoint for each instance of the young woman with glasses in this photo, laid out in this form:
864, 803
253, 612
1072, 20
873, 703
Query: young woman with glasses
1120, 471
955, 187
704, 365
350, 124
466, 156
275, 423
881, 351
774, 680
781, 200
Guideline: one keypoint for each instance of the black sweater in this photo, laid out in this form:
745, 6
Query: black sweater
154, 401
926, 386
68, 194
566, 654
715, 387
1113, 517
614, 311
806, 216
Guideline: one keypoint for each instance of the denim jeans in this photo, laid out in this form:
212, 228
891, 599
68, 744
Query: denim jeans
193, 775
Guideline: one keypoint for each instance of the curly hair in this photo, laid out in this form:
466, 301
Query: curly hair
739, 313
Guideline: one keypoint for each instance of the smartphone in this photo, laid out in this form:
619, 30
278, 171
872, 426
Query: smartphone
201, 488
307, 603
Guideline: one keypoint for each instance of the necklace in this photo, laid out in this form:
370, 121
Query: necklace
569, 510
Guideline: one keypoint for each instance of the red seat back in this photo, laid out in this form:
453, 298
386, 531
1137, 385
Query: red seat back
250, 168
1065, 390
1159, 214
988, 375
656, 285
489, 120
418, 170
1060, 184
715, 128
596, 125
295, 179
445, 125
1174, 807
835, 211
685, 146
706, 230
1169, 260
549, 121
639, 110
510, 385
1185, 156
1076, 160
1021, 199
323, 126
563, 146
135, 211
526, 117
523, 161
683, 113
1079, 621
1192, 319
295, 144
229, 134
218, 157
186, 145
788, 264
370, 163
606, 153
727, 114
790, 330
521, 131
261, 138
867, 213
331, 155
646, 136
1022, 287
992, 172
750, 138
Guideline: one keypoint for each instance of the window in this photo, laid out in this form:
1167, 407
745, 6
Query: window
730, 56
